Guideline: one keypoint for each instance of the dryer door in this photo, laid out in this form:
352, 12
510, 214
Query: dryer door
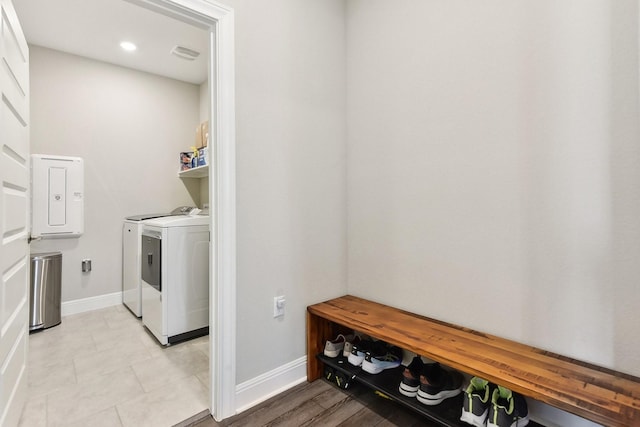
150, 261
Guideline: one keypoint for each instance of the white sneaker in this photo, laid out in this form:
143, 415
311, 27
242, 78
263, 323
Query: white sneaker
377, 364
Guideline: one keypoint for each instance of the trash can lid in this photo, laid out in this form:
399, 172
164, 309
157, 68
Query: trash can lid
46, 255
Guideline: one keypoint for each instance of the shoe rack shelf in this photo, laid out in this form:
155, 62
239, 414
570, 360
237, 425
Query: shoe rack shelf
593, 392
446, 413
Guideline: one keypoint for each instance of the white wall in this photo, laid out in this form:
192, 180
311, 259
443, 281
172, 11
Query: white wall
291, 188
129, 127
493, 168
491, 156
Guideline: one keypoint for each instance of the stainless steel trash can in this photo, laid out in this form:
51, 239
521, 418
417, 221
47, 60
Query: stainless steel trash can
46, 290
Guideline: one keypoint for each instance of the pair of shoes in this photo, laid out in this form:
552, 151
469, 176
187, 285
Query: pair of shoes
359, 351
429, 383
375, 356
505, 409
342, 345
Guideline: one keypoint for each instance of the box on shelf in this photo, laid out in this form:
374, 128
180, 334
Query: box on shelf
186, 160
203, 154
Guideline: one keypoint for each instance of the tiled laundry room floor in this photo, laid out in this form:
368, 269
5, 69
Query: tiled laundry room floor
102, 368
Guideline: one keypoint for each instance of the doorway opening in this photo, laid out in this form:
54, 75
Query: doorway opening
219, 21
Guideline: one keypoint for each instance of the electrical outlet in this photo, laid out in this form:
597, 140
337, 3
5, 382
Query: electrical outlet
278, 306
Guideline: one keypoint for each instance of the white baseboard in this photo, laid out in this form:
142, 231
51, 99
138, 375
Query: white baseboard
92, 303
257, 390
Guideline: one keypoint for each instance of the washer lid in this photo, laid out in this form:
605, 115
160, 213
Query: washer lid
178, 221
146, 216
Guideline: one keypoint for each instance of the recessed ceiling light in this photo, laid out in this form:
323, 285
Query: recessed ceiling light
128, 46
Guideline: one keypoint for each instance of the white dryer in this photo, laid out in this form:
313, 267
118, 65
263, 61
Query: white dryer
175, 277
131, 234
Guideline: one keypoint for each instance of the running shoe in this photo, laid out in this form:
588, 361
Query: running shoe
335, 347
411, 378
477, 399
438, 384
348, 345
391, 358
508, 409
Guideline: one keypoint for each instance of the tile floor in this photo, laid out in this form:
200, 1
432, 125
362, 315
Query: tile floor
102, 368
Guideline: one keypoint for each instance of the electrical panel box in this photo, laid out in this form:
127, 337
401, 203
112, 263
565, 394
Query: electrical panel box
57, 196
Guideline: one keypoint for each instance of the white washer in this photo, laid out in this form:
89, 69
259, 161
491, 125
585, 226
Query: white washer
131, 287
175, 277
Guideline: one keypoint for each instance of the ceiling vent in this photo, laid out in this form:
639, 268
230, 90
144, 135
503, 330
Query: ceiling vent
185, 53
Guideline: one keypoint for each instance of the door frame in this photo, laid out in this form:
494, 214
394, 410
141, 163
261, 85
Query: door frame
218, 19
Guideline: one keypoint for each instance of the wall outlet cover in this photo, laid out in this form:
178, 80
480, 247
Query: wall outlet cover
278, 306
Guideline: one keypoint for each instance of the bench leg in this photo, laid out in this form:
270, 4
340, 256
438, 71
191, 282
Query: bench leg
319, 330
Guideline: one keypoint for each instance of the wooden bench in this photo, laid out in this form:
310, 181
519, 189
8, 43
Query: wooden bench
598, 394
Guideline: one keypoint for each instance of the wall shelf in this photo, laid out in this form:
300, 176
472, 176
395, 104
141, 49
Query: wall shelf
199, 172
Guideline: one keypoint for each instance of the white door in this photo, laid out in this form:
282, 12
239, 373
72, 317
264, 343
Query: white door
14, 215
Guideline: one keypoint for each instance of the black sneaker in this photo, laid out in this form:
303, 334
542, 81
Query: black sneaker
438, 384
508, 409
411, 378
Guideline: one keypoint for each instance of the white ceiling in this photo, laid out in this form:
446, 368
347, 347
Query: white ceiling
95, 28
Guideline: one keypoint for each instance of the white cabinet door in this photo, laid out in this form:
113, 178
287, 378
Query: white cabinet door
14, 215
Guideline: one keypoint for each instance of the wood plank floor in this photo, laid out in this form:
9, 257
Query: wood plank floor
322, 404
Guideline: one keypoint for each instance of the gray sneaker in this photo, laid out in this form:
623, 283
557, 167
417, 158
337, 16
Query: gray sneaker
335, 347
349, 343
